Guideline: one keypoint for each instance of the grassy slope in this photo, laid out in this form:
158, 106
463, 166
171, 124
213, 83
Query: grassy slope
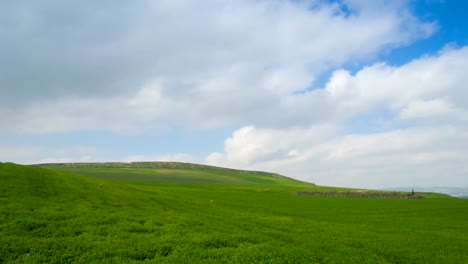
168, 173
174, 172
53, 216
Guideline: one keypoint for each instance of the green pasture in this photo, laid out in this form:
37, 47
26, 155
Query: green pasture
185, 213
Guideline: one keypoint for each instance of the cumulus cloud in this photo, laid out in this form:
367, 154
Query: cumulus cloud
76, 66
250, 145
433, 156
428, 78
426, 109
430, 150
427, 90
431, 85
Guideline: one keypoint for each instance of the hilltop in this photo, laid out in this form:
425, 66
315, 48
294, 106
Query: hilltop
171, 171
155, 165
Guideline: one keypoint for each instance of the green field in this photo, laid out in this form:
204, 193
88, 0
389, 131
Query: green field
185, 213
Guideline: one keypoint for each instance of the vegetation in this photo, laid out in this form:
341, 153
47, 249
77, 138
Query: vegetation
185, 213
364, 194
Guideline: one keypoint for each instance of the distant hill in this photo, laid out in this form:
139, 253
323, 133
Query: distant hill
172, 172
154, 165
452, 191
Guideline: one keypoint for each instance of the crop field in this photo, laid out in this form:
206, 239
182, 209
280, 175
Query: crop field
185, 213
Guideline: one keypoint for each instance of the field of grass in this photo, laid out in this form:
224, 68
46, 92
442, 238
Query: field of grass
182, 213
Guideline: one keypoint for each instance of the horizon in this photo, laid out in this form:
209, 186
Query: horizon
421, 188
338, 93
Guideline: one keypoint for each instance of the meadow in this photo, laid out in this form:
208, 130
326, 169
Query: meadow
186, 213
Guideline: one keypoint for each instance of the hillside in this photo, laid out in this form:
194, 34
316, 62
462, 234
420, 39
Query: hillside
53, 216
196, 175
172, 172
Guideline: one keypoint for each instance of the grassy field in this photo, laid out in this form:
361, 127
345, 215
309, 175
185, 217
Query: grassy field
182, 213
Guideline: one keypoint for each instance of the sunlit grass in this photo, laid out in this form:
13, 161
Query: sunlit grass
59, 217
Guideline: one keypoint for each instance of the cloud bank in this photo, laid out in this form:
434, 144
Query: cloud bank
94, 65
422, 137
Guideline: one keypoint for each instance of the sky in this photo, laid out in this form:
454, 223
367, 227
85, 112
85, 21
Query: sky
355, 93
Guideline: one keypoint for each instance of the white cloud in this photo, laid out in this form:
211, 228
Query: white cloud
381, 85
409, 91
431, 150
58, 159
426, 109
250, 145
34, 154
422, 157
38, 154
178, 157
186, 62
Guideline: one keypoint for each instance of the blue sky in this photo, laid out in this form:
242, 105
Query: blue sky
451, 23
348, 93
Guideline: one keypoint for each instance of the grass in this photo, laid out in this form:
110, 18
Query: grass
182, 213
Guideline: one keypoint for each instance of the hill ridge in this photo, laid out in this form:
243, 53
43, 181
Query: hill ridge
171, 171
156, 165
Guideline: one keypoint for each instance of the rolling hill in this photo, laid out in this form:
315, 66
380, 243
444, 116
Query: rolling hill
173, 172
187, 213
